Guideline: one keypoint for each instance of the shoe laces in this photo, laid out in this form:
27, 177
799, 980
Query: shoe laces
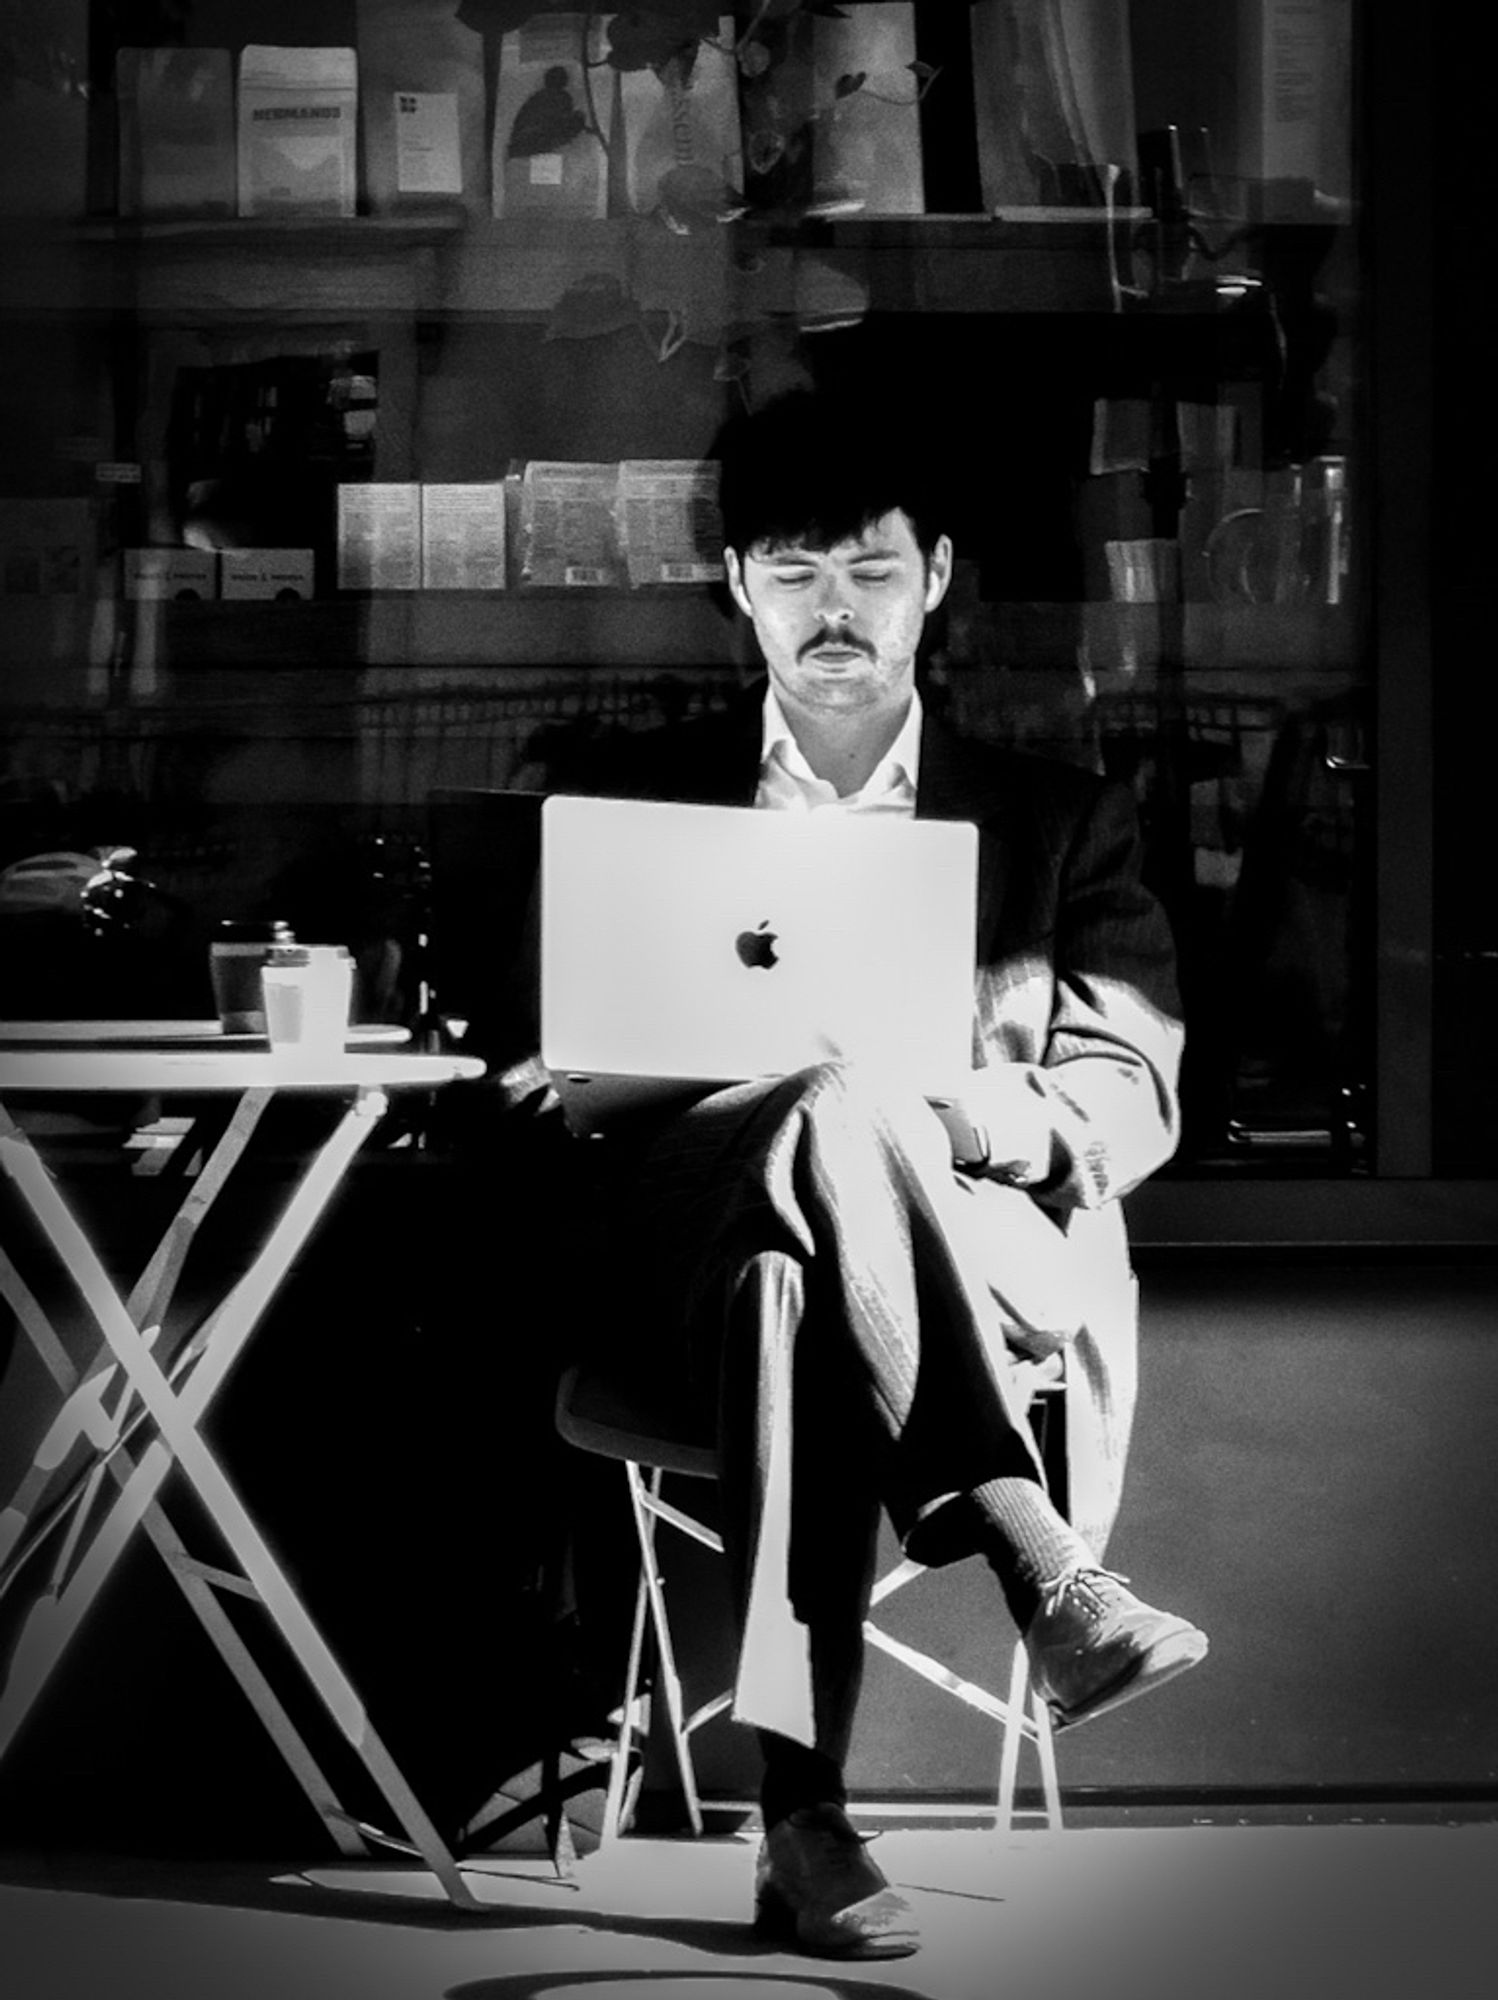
1083, 1577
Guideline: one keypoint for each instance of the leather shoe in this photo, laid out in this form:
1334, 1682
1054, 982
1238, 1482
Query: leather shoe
816, 1889
1093, 1646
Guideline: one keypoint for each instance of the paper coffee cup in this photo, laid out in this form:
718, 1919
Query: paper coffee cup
308, 990
235, 959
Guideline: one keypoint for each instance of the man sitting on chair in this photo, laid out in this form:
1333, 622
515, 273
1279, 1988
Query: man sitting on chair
818, 1232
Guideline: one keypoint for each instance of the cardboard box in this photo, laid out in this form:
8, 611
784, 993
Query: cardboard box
298, 114
44, 132
283, 573
1295, 122
1053, 93
152, 574
176, 120
546, 161
702, 136
421, 106
834, 151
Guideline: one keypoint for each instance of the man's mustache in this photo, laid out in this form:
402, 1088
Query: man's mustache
848, 640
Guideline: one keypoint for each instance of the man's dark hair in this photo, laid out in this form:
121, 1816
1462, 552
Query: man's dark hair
809, 468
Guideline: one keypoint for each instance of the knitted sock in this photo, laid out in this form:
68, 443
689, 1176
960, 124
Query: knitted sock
1024, 1541
796, 1776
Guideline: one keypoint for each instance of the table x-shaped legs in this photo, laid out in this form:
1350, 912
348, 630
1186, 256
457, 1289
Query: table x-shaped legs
130, 1329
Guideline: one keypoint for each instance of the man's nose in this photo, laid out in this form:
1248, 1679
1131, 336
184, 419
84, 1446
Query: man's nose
832, 605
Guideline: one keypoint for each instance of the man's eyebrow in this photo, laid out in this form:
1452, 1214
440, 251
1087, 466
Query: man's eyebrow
789, 552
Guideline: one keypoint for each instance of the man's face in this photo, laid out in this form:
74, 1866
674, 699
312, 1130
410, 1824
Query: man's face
839, 627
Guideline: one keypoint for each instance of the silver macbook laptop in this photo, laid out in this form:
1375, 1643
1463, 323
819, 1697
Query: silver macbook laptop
684, 946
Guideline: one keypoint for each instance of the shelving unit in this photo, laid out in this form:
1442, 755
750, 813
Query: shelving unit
1022, 338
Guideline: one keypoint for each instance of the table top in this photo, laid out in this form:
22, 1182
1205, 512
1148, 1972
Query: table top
146, 1071
170, 1034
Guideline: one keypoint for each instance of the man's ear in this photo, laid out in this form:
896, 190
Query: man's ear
938, 572
735, 571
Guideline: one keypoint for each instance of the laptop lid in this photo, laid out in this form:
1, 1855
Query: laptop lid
684, 944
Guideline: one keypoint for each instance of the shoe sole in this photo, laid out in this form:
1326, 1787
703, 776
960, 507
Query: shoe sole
777, 1923
1163, 1662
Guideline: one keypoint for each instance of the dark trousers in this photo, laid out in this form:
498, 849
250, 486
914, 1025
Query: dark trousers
834, 1301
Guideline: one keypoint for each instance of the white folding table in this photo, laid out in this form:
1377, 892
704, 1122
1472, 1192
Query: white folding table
125, 1388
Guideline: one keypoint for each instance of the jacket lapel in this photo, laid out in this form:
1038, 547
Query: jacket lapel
959, 781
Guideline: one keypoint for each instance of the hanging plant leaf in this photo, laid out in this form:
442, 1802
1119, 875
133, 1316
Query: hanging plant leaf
549, 119
653, 37
692, 197
674, 337
592, 306
764, 149
496, 17
777, 10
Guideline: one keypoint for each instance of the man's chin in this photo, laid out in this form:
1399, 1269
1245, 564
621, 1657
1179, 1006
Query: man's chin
838, 677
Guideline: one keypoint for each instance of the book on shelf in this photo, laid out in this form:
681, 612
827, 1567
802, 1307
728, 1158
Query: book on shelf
671, 524
463, 535
379, 535
570, 535
1053, 96
176, 131
421, 106
298, 111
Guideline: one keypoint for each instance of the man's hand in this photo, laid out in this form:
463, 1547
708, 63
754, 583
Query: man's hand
999, 1124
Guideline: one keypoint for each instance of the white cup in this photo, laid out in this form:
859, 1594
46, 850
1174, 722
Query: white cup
308, 991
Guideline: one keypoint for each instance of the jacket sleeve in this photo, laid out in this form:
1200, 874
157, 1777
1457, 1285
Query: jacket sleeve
1093, 1013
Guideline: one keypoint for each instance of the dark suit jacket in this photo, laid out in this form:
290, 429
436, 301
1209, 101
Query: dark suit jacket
1076, 970
1075, 980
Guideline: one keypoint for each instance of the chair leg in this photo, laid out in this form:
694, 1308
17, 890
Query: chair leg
1028, 1719
665, 1652
613, 1809
1010, 1739
1045, 1747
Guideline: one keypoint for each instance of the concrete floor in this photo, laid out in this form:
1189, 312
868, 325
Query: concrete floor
1197, 1912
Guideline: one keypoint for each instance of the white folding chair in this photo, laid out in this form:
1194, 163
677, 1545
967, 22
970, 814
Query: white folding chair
652, 1440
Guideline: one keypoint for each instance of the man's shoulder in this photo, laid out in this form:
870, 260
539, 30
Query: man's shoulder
1000, 778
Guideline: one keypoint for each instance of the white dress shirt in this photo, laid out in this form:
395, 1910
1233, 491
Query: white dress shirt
787, 782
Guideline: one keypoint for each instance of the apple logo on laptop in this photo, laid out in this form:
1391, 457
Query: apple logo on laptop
757, 947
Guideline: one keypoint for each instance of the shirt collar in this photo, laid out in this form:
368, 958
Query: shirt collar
901, 761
